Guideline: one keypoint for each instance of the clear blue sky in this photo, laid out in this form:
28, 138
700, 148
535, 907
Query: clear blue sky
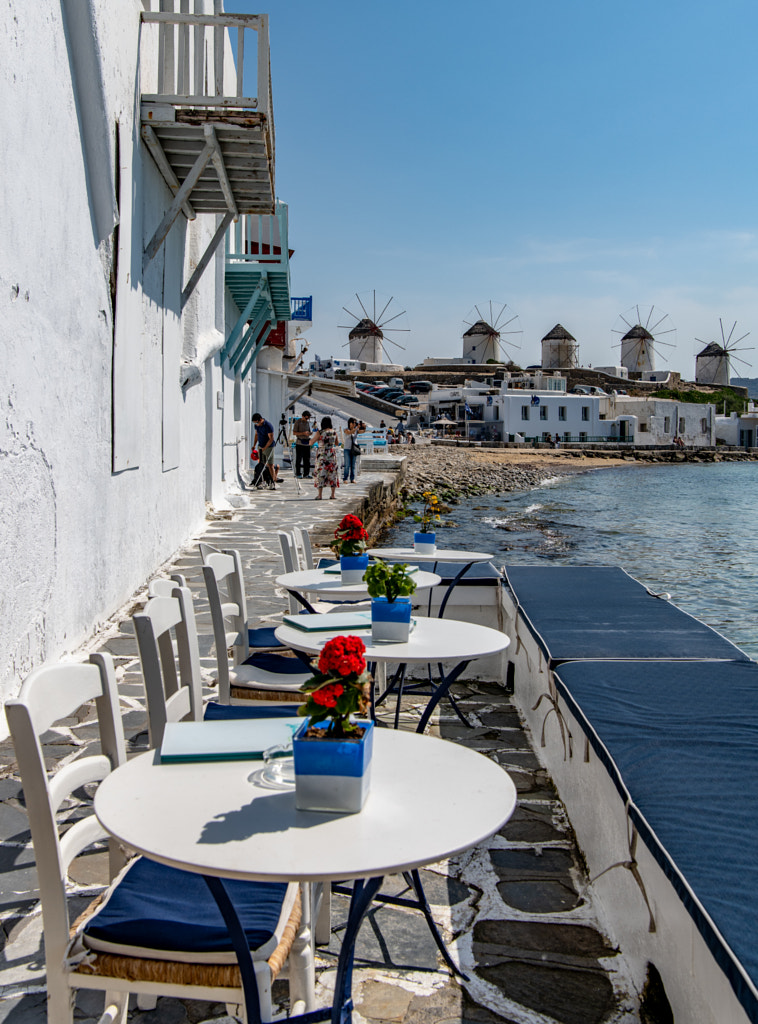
570, 159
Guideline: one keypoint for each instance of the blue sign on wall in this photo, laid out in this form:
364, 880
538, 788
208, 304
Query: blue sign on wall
302, 309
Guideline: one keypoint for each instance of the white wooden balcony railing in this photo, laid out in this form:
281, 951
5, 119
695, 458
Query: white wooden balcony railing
214, 145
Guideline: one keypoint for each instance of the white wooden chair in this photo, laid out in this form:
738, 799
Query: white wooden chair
258, 676
226, 585
126, 941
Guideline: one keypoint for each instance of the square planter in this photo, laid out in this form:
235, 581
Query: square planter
391, 620
332, 775
425, 543
352, 568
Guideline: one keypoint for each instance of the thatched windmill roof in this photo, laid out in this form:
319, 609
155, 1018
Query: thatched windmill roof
481, 327
365, 329
638, 333
559, 333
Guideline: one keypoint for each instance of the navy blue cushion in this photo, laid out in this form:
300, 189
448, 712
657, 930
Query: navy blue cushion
160, 908
263, 636
680, 739
580, 612
277, 663
215, 711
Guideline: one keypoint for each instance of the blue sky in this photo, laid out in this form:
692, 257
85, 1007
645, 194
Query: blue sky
570, 159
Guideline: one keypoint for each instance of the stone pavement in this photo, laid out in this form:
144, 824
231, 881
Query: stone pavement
518, 911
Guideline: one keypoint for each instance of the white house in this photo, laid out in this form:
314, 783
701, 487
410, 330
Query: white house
122, 415
739, 429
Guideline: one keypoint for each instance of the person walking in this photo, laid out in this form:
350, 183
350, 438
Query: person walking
351, 450
264, 431
302, 432
327, 474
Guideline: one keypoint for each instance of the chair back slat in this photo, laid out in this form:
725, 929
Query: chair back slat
169, 655
75, 775
81, 835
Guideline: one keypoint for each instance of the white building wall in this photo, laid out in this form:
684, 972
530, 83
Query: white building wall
78, 538
666, 419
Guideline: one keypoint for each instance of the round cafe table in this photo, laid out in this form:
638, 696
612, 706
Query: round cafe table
429, 800
327, 584
431, 641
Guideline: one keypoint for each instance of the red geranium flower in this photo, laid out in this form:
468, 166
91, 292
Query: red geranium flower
327, 695
343, 656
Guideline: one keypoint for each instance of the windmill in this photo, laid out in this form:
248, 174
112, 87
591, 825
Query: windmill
489, 329
374, 317
713, 365
641, 331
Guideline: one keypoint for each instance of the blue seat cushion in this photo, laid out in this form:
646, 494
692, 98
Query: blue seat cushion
263, 636
157, 910
277, 663
215, 711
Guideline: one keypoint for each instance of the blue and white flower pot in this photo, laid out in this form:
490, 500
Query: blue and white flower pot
425, 543
332, 775
352, 568
391, 620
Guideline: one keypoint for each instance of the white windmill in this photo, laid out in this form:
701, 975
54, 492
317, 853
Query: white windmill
713, 365
374, 318
643, 332
489, 329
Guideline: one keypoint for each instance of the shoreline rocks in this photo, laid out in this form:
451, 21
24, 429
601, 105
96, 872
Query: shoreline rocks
452, 473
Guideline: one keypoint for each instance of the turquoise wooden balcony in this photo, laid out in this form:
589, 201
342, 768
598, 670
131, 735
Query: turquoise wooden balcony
257, 273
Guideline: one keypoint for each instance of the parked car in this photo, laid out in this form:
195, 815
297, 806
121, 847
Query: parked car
407, 400
420, 386
392, 395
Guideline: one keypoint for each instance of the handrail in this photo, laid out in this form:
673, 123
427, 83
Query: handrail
259, 231
189, 73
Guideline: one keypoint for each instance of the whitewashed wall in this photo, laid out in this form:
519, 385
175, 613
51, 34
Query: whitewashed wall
76, 538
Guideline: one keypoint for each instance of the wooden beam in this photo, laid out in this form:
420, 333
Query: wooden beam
206, 257
256, 350
244, 316
218, 163
156, 151
173, 211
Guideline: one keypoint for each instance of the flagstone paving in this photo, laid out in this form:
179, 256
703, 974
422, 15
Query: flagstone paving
517, 912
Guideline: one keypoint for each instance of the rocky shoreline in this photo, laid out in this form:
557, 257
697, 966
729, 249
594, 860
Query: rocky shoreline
452, 473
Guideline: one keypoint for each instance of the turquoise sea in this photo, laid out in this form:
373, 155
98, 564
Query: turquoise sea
688, 529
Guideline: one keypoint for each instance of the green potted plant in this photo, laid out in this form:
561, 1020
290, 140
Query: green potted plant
390, 588
349, 545
332, 748
425, 539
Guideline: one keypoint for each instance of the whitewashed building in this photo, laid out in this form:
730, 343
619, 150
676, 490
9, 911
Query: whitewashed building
739, 429
122, 414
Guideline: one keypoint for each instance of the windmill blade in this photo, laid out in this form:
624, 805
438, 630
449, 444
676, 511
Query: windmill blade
725, 341
395, 343
350, 313
733, 348
362, 306
379, 318
401, 313
736, 359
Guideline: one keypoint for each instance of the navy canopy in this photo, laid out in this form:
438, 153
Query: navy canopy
589, 612
680, 740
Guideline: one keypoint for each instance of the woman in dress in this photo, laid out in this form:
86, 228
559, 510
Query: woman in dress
327, 473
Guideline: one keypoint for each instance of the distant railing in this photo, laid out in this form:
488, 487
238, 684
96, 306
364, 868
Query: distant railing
302, 309
190, 72
576, 439
260, 238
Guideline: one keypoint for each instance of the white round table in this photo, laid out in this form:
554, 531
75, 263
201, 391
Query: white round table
429, 799
452, 556
432, 641
326, 584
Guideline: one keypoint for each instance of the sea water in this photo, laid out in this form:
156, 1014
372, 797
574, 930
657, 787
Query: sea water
689, 529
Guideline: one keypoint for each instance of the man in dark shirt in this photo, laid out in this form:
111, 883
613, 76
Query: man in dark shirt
302, 432
265, 444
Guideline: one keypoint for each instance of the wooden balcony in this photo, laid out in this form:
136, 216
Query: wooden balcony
257, 275
213, 144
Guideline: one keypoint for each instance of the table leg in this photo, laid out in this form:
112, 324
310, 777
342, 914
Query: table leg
241, 948
444, 685
364, 891
451, 587
303, 601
